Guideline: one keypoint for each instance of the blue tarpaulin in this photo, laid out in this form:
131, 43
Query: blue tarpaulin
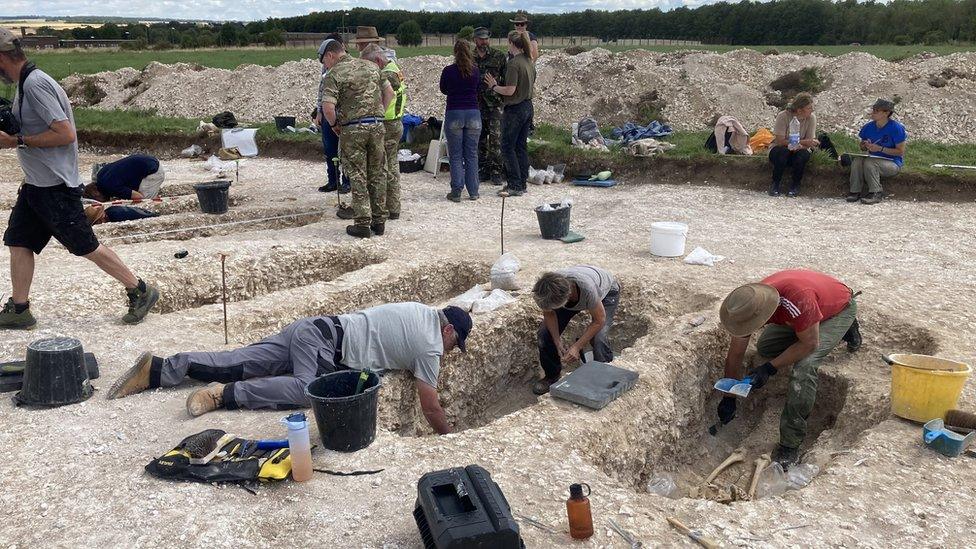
632, 132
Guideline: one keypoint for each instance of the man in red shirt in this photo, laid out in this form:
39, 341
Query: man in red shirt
808, 314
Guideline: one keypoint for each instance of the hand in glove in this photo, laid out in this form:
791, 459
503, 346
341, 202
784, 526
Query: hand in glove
762, 374
726, 409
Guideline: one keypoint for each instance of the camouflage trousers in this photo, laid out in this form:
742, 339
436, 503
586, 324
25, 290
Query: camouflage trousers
490, 159
393, 131
363, 161
802, 390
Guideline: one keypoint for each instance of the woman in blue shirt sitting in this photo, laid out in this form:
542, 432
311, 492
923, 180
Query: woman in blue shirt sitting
884, 140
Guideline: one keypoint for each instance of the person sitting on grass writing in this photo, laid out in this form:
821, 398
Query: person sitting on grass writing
884, 140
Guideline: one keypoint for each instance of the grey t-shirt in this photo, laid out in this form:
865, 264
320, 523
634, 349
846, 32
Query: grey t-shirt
594, 284
44, 103
395, 336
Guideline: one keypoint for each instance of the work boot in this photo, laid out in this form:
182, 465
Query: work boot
774, 189
853, 197
141, 299
329, 188
787, 457
346, 212
853, 337
359, 231
871, 198
454, 196
541, 387
136, 379
792, 193
496, 180
10, 319
378, 228
510, 191
205, 400
393, 216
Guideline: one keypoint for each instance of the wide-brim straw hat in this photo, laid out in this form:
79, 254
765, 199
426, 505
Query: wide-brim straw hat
520, 18
748, 308
366, 34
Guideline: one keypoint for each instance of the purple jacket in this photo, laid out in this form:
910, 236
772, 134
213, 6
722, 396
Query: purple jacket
462, 93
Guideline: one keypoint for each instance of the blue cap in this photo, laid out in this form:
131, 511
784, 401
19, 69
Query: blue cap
322, 46
461, 320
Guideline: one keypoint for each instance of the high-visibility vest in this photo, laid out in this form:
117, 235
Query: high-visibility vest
399, 104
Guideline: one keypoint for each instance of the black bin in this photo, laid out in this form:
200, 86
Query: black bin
12, 373
346, 421
55, 373
554, 223
464, 508
282, 123
212, 196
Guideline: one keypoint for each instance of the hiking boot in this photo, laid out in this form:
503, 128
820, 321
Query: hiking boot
344, 189
792, 193
496, 180
853, 197
359, 231
141, 299
393, 216
541, 387
787, 457
773, 190
454, 196
510, 191
346, 212
871, 198
10, 319
205, 400
135, 380
331, 187
378, 228
474, 196
853, 337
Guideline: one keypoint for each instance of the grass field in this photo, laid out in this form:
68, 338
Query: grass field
62, 63
920, 155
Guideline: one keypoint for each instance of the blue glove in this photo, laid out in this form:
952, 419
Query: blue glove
762, 374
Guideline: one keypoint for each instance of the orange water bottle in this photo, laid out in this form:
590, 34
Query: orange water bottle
578, 509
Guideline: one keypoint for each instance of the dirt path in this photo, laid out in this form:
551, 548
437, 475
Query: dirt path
74, 475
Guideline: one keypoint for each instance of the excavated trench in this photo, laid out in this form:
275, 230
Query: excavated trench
668, 436
193, 225
195, 280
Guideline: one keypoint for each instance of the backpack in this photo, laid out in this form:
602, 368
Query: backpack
225, 120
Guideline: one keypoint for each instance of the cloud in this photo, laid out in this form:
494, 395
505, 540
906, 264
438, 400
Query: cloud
250, 10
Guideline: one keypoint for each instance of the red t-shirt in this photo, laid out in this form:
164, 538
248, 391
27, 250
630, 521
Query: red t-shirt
806, 298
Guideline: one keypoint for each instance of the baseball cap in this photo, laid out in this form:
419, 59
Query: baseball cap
7, 40
461, 320
482, 32
883, 105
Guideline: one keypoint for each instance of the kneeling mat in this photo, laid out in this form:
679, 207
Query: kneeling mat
594, 384
595, 183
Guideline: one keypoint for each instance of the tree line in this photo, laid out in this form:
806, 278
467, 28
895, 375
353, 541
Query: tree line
787, 22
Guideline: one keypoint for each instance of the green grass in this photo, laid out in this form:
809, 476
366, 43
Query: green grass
146, 123
63, 63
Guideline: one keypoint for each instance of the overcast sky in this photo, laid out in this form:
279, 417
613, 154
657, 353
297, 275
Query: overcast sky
262, 9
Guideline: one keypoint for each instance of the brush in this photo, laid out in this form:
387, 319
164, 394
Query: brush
202, 443
960, 419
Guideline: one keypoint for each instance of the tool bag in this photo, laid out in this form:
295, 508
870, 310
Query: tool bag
214, 456
225, 120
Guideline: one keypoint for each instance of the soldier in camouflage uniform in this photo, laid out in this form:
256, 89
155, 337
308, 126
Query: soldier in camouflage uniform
354, 97
392, 124
489, 61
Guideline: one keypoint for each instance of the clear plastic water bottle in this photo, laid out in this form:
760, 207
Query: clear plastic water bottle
299, 446
794, 134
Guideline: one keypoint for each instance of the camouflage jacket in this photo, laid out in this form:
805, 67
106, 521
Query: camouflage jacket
493, 64
355, 87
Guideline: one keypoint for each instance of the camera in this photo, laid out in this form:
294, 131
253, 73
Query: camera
8, 124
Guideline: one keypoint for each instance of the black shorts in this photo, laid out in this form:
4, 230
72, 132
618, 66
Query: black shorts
43, 212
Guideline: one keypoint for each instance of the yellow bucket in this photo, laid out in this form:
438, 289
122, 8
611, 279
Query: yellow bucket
925, 387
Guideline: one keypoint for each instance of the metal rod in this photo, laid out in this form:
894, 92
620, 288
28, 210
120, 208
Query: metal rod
504, 196
223, 292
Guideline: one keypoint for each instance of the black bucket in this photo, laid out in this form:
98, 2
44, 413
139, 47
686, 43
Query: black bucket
554, 223
55, 374
212, 196
282, 123
346, 422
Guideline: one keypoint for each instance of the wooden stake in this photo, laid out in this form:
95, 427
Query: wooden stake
223, 292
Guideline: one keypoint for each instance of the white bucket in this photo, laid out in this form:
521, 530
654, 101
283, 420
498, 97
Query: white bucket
668, 238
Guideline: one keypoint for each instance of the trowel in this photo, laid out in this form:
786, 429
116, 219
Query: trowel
735, 387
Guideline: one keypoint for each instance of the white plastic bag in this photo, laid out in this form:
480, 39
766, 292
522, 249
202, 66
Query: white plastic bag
468, 298
701, 256
217, 166
544, 207
492, 301
192, 151
503, 272
566, 202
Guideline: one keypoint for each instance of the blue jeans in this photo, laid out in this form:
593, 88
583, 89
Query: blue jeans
463, 130
330, 144
516, 122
